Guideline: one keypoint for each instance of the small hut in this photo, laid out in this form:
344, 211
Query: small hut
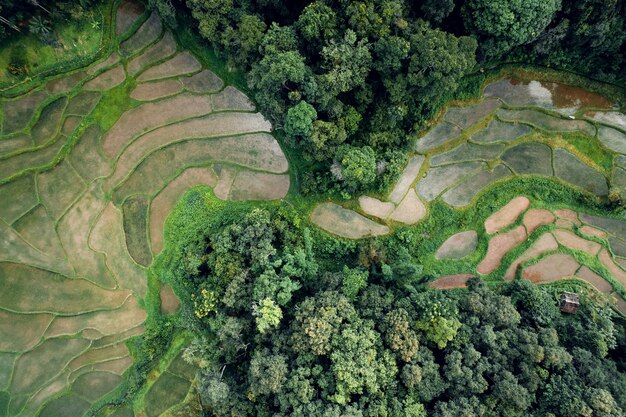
569, 302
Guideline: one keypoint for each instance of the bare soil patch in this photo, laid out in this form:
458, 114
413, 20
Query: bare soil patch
83, 103
407, 178
232, 99
499, 246
551, 268
545, 243
21, 332
507, 215
86, 157
127, 13
203, 82
37, 228
345, 223
458, 245
451, 281
152, 115
65, 83
375, 207
410, 210
253, 185
181, 64
17, 113
113, 59
572, 241
145, 35
59, 188
169, 302
535, 218
164, 48
594, 279
107, 237
22, 196
156, 90
107, 80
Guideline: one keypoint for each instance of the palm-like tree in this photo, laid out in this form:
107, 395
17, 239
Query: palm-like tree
39, 26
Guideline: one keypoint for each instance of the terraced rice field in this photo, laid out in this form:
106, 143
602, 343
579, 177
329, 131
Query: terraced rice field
518, 129
84, 202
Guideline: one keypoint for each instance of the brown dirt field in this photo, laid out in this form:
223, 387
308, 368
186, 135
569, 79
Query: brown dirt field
164, 202
116, 366
375, 207
22, 196
107, 237
113, 59
129, 316
74, 229
116, 338
21, 332
107, 80
156, 90
70, 124
169, 302
127, 13
551, 268
534, 218
451, 281
226, 176
568, 214
406, 179
37, 400
17, 113
410, 210
564, 224
572, 241
164, 48
83, 103
65, 83
152, 115
206, 127
49, 122
15, 143
86, 158
592, 231
30, 290
37, 228
458, 245
14, 248
507, 215
232, 99
499, 246
59, 188
34, 368
252, 185
618, 273
258, 151
181, 64
93, 356
93, 385
145, 35
545, 243
203, 82
30, 160
345, 223
594, 279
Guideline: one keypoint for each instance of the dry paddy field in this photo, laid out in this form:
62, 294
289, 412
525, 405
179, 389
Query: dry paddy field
83, 209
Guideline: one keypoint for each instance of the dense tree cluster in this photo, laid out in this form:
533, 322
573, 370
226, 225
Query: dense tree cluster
287, 331
371, 73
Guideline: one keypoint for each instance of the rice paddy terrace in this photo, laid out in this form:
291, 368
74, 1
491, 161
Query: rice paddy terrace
83, 202
517, 130
93, 161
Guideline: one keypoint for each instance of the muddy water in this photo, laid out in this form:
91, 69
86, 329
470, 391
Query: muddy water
564, 98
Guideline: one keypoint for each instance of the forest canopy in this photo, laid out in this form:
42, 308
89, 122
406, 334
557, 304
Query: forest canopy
289, 324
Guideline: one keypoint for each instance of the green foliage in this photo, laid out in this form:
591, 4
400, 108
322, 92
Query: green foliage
267, 314
353, 281
502, 25
299, 120
357, 166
